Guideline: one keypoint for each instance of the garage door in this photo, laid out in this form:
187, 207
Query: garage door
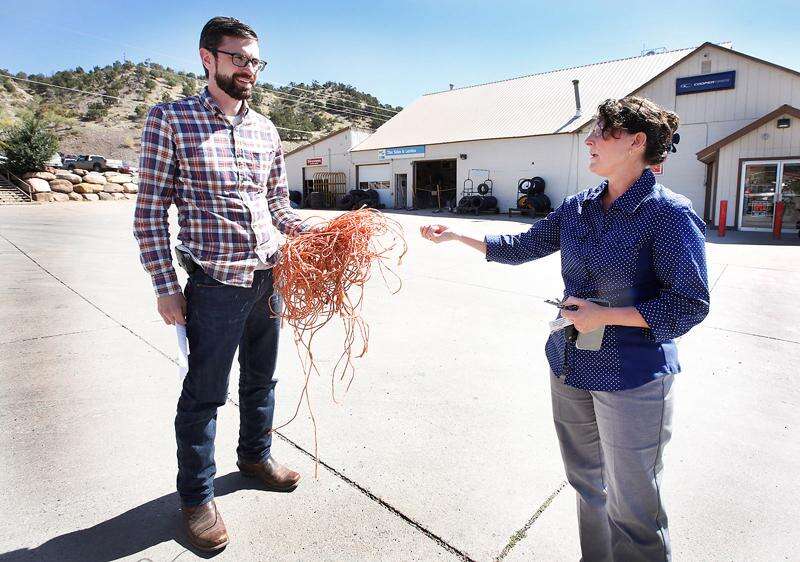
377, 177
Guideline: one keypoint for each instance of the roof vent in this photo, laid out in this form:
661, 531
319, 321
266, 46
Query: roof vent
577, 98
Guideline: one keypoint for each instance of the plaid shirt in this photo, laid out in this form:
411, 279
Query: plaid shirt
228, 183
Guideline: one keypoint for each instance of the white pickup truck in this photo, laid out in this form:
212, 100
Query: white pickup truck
95, 163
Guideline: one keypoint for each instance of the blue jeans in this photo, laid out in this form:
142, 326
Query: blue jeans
219, 319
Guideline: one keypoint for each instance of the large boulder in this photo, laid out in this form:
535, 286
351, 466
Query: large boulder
118, 196
61, 186
91, 197
120, 178
113, 188
38, 185
69, 176
46, 176
129, 196
131, 188
94, 177
60, 197
105, 197
84, 188
75, 196
79, 172
43, 197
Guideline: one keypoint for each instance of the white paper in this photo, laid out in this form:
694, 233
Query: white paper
560, 324
183, 350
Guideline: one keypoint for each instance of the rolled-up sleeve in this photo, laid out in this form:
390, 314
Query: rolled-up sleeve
157, 170
540, 240
679, 262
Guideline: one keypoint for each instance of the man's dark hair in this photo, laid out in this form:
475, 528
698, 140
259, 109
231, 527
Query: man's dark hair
220, 27
640, 115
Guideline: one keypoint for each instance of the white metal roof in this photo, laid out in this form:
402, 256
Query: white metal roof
539, 104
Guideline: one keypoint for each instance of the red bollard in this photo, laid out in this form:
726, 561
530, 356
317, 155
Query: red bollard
723, 217
778, 224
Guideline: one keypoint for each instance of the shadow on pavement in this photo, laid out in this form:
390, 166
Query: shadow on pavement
126, 534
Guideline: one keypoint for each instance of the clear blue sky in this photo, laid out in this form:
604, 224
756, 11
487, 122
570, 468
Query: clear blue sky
395, 50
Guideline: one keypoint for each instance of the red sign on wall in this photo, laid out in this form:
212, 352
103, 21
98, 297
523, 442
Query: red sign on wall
314, 161
657, 169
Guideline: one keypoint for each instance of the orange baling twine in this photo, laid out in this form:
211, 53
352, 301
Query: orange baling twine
321, 274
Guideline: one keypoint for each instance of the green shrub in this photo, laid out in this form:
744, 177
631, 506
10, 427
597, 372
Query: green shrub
28, 145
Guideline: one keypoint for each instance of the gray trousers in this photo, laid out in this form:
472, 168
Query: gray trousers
612, 445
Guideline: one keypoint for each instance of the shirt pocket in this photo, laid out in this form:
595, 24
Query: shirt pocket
259, 165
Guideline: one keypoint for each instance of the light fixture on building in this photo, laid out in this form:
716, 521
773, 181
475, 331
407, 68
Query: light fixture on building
462, 156
784, 122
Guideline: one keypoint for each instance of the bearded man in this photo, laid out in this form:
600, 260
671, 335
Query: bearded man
221, 164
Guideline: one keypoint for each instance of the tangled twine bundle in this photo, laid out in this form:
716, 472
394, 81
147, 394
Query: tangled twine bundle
321, 274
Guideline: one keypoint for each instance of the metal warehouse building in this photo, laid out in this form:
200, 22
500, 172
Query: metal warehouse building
740, 134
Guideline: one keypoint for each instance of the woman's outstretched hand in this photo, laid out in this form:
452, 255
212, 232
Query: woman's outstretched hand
437, 233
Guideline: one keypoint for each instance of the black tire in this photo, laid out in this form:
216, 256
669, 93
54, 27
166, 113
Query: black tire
71, 167
315, 200
540, 203
483, 188
537, 185
489, 202
475, 202
522, 202
464, 202
295, 197
96, 167
358, 193
524, 186
373, 195
344, 202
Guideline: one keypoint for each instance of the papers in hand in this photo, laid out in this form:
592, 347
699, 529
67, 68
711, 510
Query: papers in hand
559, 324
183, 350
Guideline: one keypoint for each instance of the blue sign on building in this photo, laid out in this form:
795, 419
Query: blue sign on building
705, 83
401, 152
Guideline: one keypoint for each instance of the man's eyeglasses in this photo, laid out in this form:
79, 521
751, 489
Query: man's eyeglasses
242, 61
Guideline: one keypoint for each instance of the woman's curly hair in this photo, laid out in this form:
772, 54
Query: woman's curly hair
640, 115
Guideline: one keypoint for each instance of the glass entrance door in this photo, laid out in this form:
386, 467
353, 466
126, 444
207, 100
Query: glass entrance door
758, 195
790, 195
763, 185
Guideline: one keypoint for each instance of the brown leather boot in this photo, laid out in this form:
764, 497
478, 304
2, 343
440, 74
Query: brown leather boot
204, 527
272, 474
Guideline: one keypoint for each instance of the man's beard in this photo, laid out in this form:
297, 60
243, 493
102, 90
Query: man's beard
229, 85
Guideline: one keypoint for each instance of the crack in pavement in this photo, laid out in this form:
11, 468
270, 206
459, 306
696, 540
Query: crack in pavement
428, 533
519, 535
93, 305
750, 334
395, 511
24, 340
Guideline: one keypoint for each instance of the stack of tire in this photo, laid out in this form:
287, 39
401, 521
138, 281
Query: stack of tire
295, 198
315, 200
358, 198
477, 203
532, 196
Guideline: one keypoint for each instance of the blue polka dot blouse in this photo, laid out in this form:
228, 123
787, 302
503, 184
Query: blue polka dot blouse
647, 250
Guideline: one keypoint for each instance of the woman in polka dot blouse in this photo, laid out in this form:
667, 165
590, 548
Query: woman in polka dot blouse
640, 248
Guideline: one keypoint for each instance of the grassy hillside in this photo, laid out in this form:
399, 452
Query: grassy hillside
112, 127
